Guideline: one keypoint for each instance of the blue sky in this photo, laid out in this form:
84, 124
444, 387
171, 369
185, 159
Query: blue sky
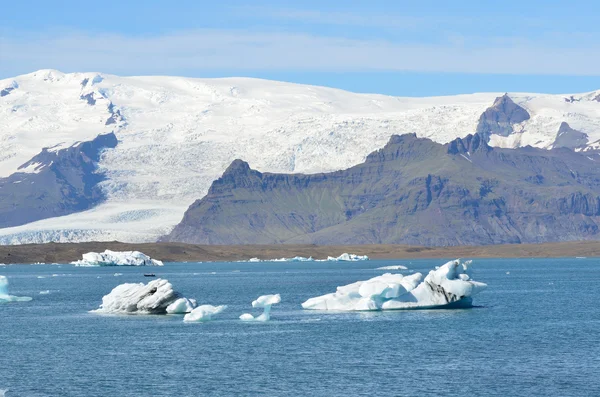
391, 47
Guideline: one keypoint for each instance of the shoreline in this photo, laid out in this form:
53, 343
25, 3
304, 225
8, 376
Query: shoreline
178, 252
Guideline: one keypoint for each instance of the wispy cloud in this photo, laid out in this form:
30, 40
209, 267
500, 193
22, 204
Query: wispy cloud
243, 50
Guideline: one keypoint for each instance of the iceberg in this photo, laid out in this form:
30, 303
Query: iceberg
265, 301
345, 257
448, 286
393, 267
181, 306
131, 298
116, 258
5, 297
203, 313
342, 258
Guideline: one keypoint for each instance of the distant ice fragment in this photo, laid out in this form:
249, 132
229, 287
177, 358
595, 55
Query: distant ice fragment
345, 257
449, 285
116, 258
130, 298
203, 313
5, 297
393, 267
264, 301
342, 258
181, 306
45, 292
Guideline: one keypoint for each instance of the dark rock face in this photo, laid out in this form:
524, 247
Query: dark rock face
6, 91
500, 118
596, 98
569, 138
65, 182
413, 191
115, 115
89, 98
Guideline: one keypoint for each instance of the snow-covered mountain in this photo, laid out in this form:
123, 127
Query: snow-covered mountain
176, 135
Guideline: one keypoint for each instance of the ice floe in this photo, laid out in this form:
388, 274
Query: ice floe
345, 257
131, 298
182, 306
203, 313
5, 297
45, 292
264, 301
393, 267
117, 258
449, 286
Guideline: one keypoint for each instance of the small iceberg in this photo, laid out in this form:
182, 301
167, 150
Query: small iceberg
5, 297
265, 301
45, 292
448, 286
345, 257
393, 267
116, 258
342, 258
131, 298
182, 306
203, 313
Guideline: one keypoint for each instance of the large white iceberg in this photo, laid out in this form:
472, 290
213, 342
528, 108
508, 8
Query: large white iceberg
264, 301
5, 297
448, 286
117, 258
203, 313
131, 298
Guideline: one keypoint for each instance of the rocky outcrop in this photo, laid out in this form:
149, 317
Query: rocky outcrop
56, 183
8, 89
500, 118
413, 191
569, 138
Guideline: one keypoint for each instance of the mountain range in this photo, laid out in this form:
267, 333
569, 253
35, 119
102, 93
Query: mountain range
143, 149
413, 191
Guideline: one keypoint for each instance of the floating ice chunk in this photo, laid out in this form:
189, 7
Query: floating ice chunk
181, 306
117, 274
41, 276
449, 285
203, 313
345, 257
5, 297
152, 298
265, 301
393, 267
46, 292
115, 258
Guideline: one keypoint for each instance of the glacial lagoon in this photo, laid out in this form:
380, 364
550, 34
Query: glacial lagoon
533, 331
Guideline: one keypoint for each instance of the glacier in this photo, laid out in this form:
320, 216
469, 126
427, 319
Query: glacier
448, 286
5, 297
176, 135
203, 313
265, 302
116, 258
131, 298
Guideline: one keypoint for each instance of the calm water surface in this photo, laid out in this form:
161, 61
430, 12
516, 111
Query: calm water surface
535, 333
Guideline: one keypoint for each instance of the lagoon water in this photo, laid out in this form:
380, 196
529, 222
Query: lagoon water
535, 331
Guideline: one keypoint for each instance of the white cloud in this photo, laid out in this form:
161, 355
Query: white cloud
237, 50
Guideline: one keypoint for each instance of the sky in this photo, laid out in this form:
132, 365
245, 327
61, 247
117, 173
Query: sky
406, 48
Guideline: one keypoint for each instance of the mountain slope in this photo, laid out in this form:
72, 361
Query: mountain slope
413, 191
177, 135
